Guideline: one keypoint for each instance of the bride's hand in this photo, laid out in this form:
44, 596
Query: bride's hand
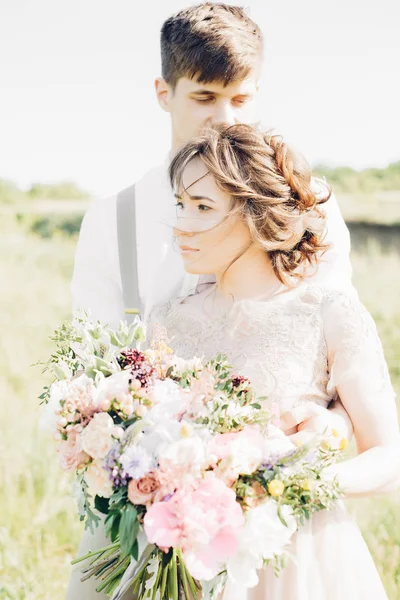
300, 421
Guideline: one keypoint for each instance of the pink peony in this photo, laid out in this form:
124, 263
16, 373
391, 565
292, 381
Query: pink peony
142, 491
205, 521
71, 452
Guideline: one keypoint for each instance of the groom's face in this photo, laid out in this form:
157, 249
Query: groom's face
195, 106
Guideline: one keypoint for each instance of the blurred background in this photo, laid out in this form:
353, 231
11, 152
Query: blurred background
79, 118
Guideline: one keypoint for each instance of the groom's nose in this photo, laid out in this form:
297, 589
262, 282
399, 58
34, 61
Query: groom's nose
224, 114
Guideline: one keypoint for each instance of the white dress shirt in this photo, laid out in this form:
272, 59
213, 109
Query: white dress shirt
96, 282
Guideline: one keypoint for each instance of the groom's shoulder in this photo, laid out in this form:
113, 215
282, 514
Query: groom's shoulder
321, 187
104, 207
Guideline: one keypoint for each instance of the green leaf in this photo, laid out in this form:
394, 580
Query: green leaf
256, 405
115, 528
280, 515
111, 524
117, 498
134, 551
102, 504
128, 528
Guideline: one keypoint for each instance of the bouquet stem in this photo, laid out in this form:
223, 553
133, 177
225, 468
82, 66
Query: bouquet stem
92, 553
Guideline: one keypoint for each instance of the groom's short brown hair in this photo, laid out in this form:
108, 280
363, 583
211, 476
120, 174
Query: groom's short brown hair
210, 42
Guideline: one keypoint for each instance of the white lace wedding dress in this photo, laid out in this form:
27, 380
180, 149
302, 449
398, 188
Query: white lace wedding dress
299, 346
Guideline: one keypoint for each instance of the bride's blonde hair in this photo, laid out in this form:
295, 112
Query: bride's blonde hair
271, 189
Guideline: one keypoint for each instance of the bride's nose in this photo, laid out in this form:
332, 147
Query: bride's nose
182, 233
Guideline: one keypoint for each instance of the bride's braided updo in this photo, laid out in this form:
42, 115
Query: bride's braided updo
271, 189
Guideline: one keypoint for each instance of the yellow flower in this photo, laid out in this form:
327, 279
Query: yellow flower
306, 485
186, 430
335, 433
163, 347
325, 445
276, 487
343, 444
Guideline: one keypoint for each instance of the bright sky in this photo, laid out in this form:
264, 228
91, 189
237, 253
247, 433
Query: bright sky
77, 99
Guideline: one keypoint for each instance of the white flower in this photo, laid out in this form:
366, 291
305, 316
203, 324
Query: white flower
97, 437
114, 385
244, 457
50, 413
181, 365
167, 400
136, 462
158, 435
276, 443
263, 536
188, 453
98, 480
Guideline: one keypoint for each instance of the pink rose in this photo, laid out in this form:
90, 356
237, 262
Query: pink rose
142, 491
71, 453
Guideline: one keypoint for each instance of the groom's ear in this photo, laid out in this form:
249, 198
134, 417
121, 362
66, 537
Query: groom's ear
163, 93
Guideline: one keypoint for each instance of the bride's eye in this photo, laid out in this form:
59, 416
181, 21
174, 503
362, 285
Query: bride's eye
179, 205
204, 208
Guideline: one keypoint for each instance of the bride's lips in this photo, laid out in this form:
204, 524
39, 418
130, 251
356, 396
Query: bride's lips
187, 249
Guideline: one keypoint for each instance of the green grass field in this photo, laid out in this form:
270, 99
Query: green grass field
39, 528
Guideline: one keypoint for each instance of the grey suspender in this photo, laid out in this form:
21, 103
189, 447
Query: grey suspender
127, 250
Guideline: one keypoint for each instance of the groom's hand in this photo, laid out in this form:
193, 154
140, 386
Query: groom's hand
299, 422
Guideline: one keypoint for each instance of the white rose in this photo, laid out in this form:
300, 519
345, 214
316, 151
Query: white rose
97, 436
98, 480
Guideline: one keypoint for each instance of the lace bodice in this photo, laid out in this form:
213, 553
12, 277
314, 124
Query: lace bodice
299, 346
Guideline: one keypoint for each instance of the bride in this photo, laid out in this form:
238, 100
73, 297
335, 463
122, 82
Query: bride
247, 210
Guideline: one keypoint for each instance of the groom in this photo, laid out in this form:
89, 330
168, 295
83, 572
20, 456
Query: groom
211, 63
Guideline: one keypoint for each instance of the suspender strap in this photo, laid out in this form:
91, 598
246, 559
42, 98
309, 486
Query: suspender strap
127, 250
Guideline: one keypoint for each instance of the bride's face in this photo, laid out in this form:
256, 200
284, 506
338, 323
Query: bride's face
207, 235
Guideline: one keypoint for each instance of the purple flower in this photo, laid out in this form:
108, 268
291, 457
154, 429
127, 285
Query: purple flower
136, 462
117, 477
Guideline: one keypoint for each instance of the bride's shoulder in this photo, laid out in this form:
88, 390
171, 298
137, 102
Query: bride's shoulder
160, 312
325, 295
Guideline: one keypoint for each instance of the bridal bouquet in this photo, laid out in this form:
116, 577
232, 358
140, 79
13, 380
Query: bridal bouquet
196, 482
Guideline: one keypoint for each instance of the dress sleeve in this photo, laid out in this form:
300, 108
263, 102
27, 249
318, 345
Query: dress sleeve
96, 282
358, 373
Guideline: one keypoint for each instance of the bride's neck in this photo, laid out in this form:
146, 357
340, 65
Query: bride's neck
250, 277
